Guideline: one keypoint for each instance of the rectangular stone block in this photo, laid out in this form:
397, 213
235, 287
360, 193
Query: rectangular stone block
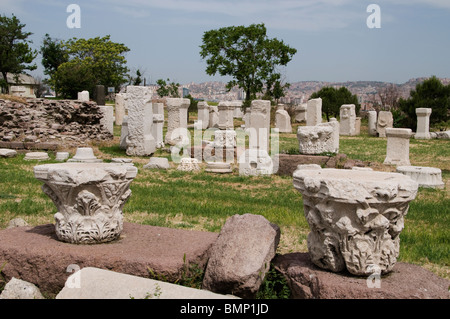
140, 140
314, 112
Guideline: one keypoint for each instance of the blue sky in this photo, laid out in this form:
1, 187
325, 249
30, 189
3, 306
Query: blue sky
333, 40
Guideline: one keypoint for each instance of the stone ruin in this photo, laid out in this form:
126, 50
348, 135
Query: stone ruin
355, 217
67, 122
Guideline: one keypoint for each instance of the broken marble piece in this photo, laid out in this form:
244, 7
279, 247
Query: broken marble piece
6, 152
86, 155
39, 156
314, 112
355, 217
158, 163
430, 177
61, 156
188, 164
218, 167
318, 139
89, 198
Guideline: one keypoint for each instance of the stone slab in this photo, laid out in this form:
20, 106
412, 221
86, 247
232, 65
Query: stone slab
406, 281
35, 255
95, 283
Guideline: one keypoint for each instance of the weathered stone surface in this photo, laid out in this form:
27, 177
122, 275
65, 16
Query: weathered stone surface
203, 113
226, 110
83, 96
5, 152
385, 120
39, 156
425, 176
19, 289
89, 198
158, 163
85, 155
321, 138
283, 120
372, 123
177, 112
95, 283
50, 122
158, 124
253, 162
300, 112
218, 167
355, 217
423, 123
397, 149
314, 112
119, 108
347, 115
62, 156
35, 255
140, 140
259, 125
108, 117
189, 165
16, 222
406, 281
241, 255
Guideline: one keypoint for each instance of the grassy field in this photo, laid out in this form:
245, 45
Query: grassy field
203, 201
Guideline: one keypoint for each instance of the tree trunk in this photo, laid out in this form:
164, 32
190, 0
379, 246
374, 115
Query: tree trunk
6, 82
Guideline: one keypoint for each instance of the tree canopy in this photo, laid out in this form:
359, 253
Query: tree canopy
247, 55
333, 99
431, 93
91, 62
16, 55
167, 88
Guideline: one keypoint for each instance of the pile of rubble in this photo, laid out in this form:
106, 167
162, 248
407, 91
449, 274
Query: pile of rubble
69, 122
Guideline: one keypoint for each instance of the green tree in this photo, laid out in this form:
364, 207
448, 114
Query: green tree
53, 55
137, 80
333, 99
168, 88
431, 93
100, 60
247, 55
16, 55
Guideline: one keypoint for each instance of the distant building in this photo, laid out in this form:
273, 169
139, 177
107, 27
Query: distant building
21, 84
185, 92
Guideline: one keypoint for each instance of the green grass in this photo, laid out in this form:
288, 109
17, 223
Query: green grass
204, 201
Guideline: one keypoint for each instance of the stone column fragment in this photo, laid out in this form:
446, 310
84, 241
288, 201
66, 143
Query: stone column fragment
177, 110
140, 140
314, 112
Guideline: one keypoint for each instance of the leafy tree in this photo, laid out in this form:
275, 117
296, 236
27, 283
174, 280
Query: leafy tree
15, 53
99, 60
73, 77
333, 99
53, 55
276, 90
137, 80
167, 88
431, 93
247, 55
